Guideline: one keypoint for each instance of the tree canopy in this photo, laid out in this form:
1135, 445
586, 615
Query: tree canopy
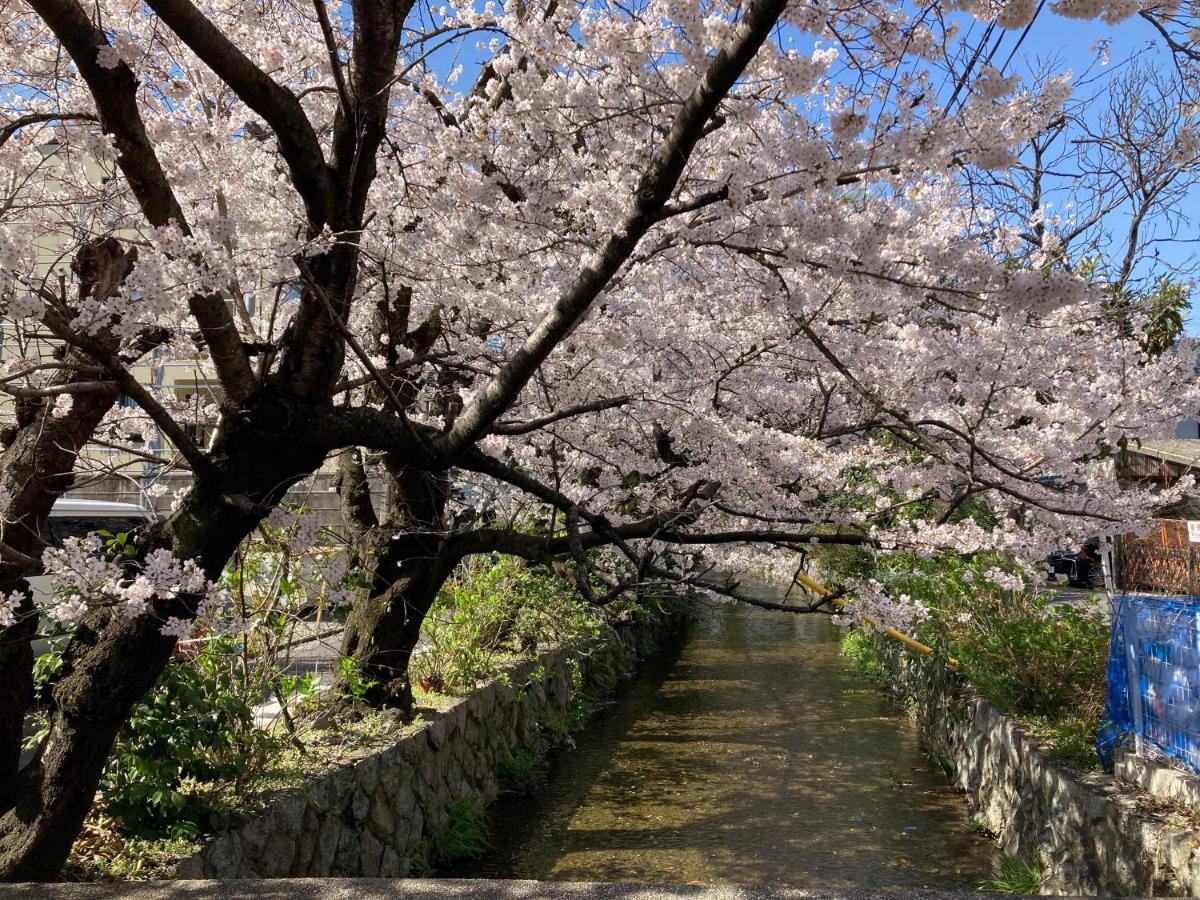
712, 276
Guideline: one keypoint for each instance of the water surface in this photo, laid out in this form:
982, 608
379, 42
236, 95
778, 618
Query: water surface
757, 754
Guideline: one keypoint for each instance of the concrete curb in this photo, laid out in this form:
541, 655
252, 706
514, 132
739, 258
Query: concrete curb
450, 889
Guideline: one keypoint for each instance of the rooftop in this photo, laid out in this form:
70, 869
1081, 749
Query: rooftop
1184, 452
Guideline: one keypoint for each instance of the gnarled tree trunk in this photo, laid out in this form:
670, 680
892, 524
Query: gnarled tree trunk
113, 660
36, 468
407, 567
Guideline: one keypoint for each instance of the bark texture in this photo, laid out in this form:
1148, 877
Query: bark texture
407, 564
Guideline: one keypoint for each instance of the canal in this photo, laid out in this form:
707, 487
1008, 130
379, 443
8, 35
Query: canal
754, 754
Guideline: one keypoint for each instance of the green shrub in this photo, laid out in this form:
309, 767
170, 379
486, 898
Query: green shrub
1041, 661
1070, 739
560, 728
190, 738
496, 609
860, 647
1034, 659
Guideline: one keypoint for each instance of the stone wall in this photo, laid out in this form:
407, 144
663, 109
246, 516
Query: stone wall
1092, 833
371, 817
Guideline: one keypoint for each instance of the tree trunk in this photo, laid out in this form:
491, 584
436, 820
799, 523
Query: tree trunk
113, 660
36, 468
407, 569
55, 791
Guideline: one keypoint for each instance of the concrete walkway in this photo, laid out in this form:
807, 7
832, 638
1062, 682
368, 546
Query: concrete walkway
446, 889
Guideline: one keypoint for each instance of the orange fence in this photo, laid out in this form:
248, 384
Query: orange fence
1161, 562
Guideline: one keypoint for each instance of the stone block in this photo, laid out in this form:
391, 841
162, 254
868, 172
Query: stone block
277, 856
306, 841
435, 733
223, 857
254, 834
349, 852
370, 857
389, 864
360, 805
326, 849
288, 812
367, 773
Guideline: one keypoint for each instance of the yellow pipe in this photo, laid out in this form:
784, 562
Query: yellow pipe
821, 591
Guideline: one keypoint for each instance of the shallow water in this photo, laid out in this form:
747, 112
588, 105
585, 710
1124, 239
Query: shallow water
755, 755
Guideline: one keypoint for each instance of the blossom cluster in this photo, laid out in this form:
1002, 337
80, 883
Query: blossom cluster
83, 574
874, 607
830, 339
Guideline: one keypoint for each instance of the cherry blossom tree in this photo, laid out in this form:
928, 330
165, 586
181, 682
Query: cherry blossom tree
689, 275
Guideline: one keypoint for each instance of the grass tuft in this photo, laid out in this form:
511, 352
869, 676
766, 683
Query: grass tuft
1015, 875
464, 836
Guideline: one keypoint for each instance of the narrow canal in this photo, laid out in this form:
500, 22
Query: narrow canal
755, 755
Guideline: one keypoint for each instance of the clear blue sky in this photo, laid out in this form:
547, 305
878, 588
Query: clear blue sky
1076, 45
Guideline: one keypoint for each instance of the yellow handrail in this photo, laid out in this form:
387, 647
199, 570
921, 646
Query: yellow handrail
821, 591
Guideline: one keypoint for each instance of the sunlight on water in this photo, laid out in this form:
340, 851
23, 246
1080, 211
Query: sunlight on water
755, 755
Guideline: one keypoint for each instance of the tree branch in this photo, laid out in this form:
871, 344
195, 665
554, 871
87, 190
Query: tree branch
115, 94
298, 142
653, 191
17, 124
512, 428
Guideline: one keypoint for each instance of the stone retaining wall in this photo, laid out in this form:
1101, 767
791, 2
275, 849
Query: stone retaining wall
1092, 833
371, 817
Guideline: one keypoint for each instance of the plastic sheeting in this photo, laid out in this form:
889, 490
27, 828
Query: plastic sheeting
1154, 678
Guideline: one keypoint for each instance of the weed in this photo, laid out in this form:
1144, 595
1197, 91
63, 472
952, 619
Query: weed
462, 837
419, 865
561, 727
647, 644
351, 675
522, 771
1015, 875
1070, 739
190, 735
976, 825
946, 764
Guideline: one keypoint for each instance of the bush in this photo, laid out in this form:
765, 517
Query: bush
494, 610
191, 739
1070, 739
860, 648
1034, 659
1043, 662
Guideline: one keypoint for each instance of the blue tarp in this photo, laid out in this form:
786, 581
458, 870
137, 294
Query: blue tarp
1154, 677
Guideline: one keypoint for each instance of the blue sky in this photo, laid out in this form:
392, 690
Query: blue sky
1076, 45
